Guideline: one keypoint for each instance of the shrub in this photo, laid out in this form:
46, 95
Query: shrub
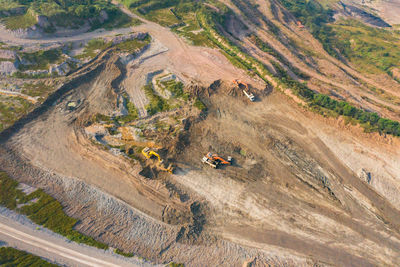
120, 252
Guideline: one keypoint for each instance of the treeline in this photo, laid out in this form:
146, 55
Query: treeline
370, 121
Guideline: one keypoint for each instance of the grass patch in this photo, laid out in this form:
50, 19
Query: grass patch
369, 49
24, 75
8, 4
11, 109
93, 47
132, 46
14, 257
118, 19
133, 113
46, 211
176, 88
192, 31
164, 17
40, 60
157, 103
20, 21
199, 104
37, 89
67, 13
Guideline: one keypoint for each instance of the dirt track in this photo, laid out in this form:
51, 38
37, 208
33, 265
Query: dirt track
292, 196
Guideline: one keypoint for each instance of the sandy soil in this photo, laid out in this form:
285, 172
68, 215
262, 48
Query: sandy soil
292, 196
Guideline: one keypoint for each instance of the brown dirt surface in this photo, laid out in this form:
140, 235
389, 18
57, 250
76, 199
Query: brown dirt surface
293, 195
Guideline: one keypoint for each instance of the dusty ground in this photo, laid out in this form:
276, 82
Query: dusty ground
292, 197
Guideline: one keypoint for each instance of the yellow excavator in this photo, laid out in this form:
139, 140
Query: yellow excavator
148, 153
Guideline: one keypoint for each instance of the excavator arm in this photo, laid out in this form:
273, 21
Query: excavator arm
152, 153
221, 160
239, 82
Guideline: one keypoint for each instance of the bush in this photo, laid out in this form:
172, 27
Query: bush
120, 252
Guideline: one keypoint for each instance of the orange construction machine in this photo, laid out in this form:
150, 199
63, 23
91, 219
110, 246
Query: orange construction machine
214, 160
246, 90
299, 24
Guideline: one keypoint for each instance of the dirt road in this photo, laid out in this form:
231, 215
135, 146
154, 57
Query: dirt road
56, 248
9, 38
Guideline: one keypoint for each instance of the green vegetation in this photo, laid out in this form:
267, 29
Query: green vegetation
11, 109
24, 75
174, 264
371, 122
36, 89
200, 105
133, 113
14, 257
163, 17
370, 49
118, 19
93, 47
45, 210
6, 5
66, 13
180, 15
132, 46
120, 252
316, 18
176, 88
157, 103
41, 59
268, 49
20, 21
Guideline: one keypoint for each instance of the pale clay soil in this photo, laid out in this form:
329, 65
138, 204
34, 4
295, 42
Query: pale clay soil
270, 207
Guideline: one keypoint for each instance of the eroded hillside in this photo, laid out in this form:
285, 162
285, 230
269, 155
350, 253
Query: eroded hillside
315, 171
